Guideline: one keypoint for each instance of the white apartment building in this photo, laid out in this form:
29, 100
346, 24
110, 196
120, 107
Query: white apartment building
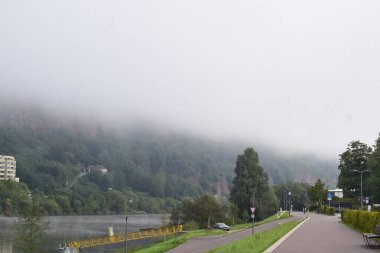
8, 168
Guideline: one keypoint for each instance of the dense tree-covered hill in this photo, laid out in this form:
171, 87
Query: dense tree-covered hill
50, 152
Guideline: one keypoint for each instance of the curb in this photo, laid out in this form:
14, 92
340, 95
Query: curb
282, 239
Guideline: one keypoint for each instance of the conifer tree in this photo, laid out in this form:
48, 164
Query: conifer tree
249, 184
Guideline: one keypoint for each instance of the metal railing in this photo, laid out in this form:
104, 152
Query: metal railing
92, 242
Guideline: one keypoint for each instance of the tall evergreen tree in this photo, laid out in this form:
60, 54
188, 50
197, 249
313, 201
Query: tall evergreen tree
250, 184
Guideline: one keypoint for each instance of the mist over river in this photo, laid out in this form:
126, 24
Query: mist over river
63, 229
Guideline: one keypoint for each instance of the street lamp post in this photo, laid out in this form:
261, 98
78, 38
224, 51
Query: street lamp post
253, 211
178, 224
178, 218
126, 231
290, 202
361, 185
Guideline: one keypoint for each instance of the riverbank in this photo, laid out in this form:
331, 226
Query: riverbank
63, 229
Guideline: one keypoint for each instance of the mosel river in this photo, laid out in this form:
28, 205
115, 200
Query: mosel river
63, 229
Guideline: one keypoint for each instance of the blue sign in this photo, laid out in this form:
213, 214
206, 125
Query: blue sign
329, 196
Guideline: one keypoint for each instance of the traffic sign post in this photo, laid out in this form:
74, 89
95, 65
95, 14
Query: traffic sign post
253, 219
329, 197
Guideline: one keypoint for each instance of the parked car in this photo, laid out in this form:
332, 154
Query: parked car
221, 226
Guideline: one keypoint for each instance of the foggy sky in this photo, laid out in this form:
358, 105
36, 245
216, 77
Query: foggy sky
300, 75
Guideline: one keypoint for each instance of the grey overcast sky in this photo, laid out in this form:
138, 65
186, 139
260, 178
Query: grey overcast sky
299, 74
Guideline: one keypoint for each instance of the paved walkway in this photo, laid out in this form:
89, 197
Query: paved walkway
322, 233
204, 244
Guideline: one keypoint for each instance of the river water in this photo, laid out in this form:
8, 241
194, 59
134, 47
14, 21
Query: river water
63, 229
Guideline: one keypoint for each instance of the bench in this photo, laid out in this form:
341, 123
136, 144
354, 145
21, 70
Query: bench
369, 237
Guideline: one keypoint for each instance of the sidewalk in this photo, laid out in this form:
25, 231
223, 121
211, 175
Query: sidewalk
322, 233
204, 244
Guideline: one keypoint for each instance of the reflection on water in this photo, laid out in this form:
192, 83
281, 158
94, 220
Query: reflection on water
5, 247
63, 229
6, 233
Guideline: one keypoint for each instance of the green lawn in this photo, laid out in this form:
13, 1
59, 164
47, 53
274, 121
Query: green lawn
257, 243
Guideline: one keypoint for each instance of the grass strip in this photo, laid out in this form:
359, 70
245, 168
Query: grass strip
174, 242
257, 243
267, 220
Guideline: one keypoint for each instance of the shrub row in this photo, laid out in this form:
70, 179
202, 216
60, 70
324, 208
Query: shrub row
363, 220
327, 210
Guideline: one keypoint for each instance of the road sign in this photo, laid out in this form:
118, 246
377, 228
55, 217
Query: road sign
329, 196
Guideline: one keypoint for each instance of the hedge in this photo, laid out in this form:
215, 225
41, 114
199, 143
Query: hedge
363, 220
327, 210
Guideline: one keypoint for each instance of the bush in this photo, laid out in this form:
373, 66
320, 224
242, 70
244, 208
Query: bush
191, 225
313, 208
327, 210
331, 211
363, 220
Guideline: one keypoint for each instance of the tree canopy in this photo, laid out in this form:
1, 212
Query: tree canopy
318, 192
30, 230
299, 194
373, 181
353, 161
204, 210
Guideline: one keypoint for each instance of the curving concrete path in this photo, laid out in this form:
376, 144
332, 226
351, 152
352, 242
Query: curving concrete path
322, 233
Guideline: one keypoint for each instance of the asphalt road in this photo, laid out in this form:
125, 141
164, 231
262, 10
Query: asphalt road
203, 244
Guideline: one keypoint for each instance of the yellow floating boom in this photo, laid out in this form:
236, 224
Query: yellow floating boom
92, 242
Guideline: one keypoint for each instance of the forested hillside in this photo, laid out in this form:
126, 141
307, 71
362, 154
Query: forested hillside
143, 163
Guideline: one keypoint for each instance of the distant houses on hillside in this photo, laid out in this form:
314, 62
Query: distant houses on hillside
92, 168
